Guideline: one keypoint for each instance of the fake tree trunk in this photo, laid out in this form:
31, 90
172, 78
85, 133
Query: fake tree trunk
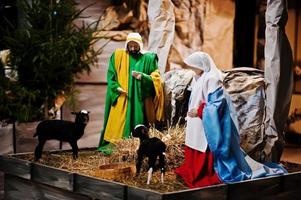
278, 76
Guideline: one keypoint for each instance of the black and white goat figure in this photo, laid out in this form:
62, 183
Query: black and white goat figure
62, 130
152, 148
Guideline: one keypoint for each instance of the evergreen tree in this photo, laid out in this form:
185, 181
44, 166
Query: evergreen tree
46, 53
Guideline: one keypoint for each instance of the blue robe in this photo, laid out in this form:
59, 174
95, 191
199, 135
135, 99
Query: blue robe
230, 161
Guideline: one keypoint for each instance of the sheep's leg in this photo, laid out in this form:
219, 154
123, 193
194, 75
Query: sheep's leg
139, 162
74, 149
39, 149
149, 177
162, 177
162, 165
151, 164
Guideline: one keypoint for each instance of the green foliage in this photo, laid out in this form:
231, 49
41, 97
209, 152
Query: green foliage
46, 54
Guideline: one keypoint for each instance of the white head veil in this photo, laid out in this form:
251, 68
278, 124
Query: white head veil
203, 61
212, 76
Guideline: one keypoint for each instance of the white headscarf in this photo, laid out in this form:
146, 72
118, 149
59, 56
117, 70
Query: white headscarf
208, 82
203, 61
136, 37
211, 78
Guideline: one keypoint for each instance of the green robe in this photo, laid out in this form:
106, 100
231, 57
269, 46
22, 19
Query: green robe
138, 90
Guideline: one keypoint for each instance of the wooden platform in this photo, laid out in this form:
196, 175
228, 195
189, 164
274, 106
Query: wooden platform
28, 180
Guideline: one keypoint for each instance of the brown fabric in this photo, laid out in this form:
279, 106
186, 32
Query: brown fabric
189, 27
210, 28
218, 32
131, 14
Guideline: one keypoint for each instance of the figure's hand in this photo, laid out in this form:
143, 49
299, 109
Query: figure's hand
192, 113
122, 91
136, 75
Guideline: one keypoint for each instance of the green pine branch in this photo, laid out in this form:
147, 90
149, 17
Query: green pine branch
46, 54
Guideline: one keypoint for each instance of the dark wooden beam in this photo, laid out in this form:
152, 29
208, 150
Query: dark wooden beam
244, 31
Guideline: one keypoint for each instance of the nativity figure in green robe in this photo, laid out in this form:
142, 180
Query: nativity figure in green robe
134, 92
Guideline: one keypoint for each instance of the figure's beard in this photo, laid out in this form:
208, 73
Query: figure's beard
133, 52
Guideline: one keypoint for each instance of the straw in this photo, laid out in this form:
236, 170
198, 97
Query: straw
125, 151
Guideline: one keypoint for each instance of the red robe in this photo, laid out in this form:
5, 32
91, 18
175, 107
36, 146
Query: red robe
197, 169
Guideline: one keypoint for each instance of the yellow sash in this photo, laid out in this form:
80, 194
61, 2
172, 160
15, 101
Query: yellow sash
114, 131
158, 102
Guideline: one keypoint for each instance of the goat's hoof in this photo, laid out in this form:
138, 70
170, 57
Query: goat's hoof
36, 159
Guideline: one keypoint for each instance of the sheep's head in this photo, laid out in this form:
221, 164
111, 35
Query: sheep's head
81, 117
140, 131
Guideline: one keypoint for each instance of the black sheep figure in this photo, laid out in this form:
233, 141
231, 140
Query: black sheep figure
151, 148
62, 130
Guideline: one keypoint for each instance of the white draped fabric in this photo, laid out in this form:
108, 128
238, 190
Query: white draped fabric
208, 82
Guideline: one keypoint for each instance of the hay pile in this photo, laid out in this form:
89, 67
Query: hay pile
125, 151
174, 138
